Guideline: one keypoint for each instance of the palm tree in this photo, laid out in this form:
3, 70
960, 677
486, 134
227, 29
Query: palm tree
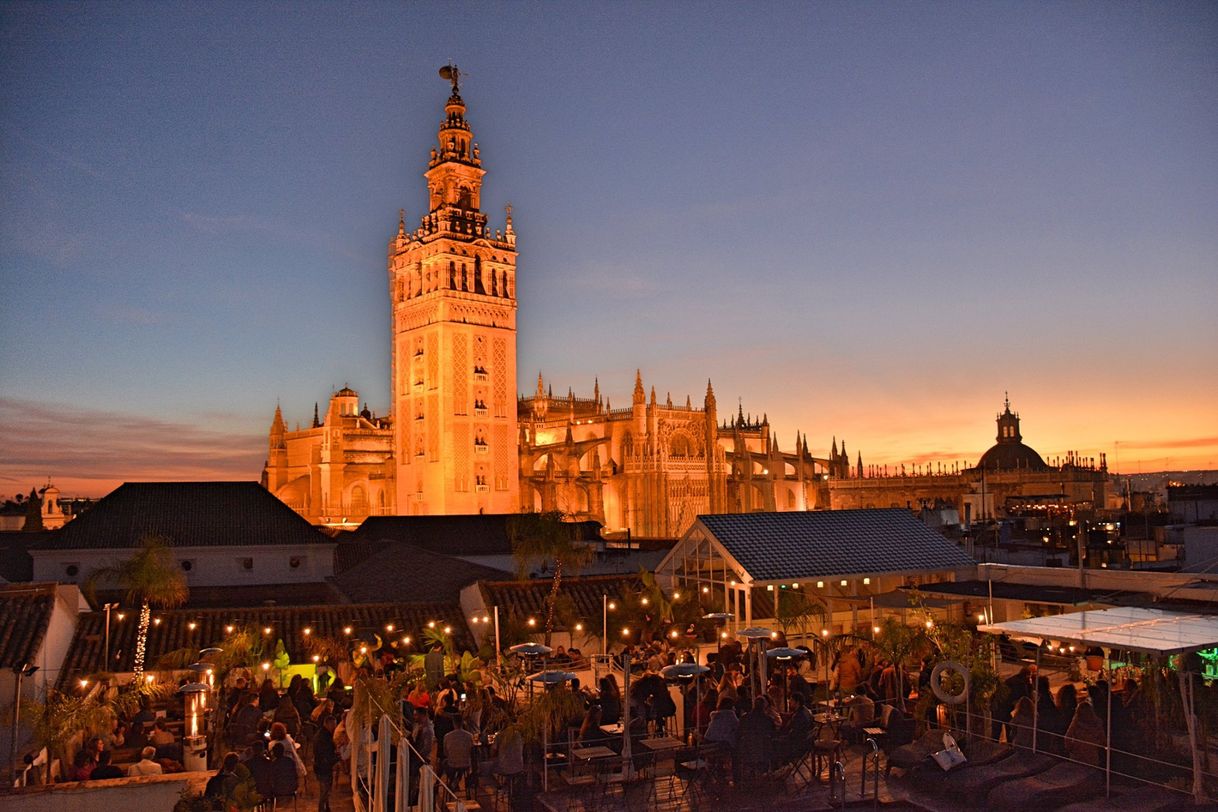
545, 538
150, 577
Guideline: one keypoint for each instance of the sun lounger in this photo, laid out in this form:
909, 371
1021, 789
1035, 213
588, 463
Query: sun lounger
1063, 783
1143, 799
912, 755
979, 752
975, 783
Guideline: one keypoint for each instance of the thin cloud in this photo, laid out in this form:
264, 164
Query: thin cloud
89, 452
1196, 442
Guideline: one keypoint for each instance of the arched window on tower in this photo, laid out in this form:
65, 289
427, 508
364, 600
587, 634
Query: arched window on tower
464, 277
452, 275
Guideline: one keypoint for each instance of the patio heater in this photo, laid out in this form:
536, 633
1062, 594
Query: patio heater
720, 619
529, 652
194, 742
785, 655
686, 671
757, 635
548, 679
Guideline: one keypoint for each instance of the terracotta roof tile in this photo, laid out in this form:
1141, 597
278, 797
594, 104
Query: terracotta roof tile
173, 632
25, 614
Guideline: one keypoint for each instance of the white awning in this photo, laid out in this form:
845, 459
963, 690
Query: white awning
1150, 630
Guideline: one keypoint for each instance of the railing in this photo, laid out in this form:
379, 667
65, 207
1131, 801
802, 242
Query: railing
381, 771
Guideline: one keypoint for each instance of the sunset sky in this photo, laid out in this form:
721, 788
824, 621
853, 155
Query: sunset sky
867, 220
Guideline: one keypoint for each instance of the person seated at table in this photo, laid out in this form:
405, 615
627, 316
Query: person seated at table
146, 765
611, 700
755, 737
259, 765
285, 779
590, 733
104, 768
860, 713
459, 756
703, 710
793, 738
724, 725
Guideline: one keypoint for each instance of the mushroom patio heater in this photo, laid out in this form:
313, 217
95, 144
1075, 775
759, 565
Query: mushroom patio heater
194, 742
757, 636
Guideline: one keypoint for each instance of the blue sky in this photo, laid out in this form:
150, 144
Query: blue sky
867, 220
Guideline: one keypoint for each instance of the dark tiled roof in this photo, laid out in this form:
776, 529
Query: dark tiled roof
524, 598
795, 545
479, 534
188, 514
25, 614
248, 595
395, 571
287, 624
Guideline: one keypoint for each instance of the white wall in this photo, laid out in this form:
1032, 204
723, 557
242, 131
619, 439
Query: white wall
209, 566
156, 792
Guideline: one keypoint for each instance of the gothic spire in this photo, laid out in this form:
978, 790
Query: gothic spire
639, 394
316, 419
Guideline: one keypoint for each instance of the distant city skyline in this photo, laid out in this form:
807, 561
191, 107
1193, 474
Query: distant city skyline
867, 222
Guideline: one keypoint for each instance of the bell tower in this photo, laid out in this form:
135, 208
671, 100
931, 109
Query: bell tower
452, 287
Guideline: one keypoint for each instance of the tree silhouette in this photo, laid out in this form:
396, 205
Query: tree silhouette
545, 538
149, 577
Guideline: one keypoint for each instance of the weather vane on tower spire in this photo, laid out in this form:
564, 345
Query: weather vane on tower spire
452, 74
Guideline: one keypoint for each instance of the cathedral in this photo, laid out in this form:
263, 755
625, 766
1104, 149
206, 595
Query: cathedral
1010, 479
458, 439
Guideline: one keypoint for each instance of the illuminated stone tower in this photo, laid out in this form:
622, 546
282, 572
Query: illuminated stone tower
452, 284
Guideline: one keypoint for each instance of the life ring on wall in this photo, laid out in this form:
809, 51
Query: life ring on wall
936, 682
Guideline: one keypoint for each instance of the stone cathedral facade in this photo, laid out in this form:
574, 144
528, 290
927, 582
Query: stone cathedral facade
458, 440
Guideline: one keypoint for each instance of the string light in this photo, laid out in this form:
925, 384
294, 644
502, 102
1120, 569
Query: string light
156, 621
316, 658
579, 627
722, 635
122, 615
645, 601
448, 629
192, 625
266, 629
307, 631
347, 630
389, 627
673, 634
84, 683
875, 629
406, 640
625, 631
705, 590
532, 621
229, 628
431, 624
363, 649
266, 666
676, 596
486, 618
612, 605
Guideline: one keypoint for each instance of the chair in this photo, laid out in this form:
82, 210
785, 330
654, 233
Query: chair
826, 748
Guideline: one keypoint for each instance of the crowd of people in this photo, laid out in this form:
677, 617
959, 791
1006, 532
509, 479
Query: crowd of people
1069, 722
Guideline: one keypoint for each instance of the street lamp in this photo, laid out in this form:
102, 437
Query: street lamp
106, 661
22, 671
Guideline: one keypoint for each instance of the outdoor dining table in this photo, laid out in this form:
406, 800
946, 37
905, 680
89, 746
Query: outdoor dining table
614, 729
590, 753
663, 743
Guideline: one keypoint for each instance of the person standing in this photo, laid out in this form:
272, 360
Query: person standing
325, 757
